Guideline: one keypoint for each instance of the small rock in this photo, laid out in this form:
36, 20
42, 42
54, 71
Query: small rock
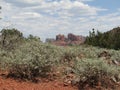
114, 79
117, 77
116, 62
75, 81
70, 76
67, 82
56, 73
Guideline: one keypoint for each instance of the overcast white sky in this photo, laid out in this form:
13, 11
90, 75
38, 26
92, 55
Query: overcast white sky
46, 18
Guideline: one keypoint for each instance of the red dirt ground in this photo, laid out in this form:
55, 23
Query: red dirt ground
11, 84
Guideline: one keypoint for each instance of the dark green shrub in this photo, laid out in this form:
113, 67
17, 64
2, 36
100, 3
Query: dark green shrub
10, 38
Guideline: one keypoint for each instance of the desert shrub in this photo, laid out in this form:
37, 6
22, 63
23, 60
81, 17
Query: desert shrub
80, 52
94, 72
4, 59
69, 55
115, 55
33, 59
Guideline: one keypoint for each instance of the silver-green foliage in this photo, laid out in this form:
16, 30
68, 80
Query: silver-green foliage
31, 59
92, 71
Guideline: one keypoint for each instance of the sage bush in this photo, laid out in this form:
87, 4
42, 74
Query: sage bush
94, 71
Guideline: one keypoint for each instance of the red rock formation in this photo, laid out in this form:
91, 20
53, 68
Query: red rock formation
71, 39
60, 37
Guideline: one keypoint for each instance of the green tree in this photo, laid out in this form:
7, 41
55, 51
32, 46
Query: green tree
110, 39
10, 38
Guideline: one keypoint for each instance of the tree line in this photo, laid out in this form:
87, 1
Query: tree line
110, 39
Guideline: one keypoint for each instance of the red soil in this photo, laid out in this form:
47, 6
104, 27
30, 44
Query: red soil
11, 84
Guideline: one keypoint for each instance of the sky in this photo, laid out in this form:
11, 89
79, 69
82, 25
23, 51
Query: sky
47, 18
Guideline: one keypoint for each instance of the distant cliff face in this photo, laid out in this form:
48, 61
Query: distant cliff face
60, 37
71, 39
75, 39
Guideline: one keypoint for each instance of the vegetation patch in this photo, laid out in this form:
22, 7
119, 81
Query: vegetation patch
29, 59
95, 72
